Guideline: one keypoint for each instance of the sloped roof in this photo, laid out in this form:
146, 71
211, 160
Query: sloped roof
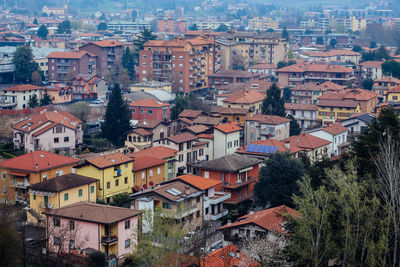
245, 97
316, 68
145, 162
297, 106
160, 152
70, 55
268, 119
229, 163
196, 129
62, 183
198, 181
109, 160
181, 138
334, 129
207, 120
38, 161
23, 87
230, 111
151, 103
305, 141
190, 113
269, 142
107, 43
92, 212
228, 127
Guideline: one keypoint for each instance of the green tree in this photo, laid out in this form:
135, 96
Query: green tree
181, 102
102, 26
285, 34
222, 28
372, 44
320, 40
281, 64
64, 27
367, 84
9, 238
295, 128
381, 53
121, 200
36, 78
391, 67
193, 27
333, 43
128, 62
278, 180
357, 48
117, 118
273, 104
97, 259
24, 64
145, 36
46, 99
33, 102
35, 22
80, 110
43, 32
124, 79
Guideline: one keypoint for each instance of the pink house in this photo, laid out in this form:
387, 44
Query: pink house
150, 109
83, 225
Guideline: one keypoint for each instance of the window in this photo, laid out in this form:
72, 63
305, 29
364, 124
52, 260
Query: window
180, 57
207, 174
229, 144
158, 170
56, 140
143, 174
66, 139
108, 185
180, 158
206, 211
141, 111
116, 182
34, 196
198, 214
71, 225
198, 200
4, 190
126, 180
72, 244
80, 192
127, 243
4, 175
151, 172
236, 143
189, 144
150, 112
201, 152
180, 147
66, 197
92, 189
127, 224
166, 205
57, 241
56, 221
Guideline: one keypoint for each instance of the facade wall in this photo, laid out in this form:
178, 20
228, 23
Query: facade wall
155, 175
225, 144
150, 113
125, 234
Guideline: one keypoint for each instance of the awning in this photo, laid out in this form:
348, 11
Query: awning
18, 174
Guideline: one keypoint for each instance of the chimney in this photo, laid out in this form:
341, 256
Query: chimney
36, 166
187, 188
287, 145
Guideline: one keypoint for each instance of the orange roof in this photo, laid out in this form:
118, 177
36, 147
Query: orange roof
228, 256
297, 106
38, 161
145, 162
198, 181
335, 128
151, 103
190, 113
109, 160
349, 94
23, 87
332, 53
206, 136
373, 64
228, 127
141, 131
107, 43
305, 141
269, 219
388, 79
268, 119
159, 152
245, 97
316, 68
69, 55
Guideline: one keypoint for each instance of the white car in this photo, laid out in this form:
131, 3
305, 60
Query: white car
97, 102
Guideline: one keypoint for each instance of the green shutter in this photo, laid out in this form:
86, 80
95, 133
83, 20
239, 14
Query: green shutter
65, 196
80, 192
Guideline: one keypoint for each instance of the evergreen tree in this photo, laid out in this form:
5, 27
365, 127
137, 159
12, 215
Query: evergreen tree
117, 118
391, 67
128, 62
285, 34
24, 64
295, 128
320, 40
333, 42
46, 100
357, 48
222, 28
181, 103
278, 180
36, 78
42, 32
367, 84
64, 27
145, 36
273, 104
102, 26
35, 22
381, 54
193, 27
33, 102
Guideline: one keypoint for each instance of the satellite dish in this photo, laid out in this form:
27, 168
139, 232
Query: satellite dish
50, 206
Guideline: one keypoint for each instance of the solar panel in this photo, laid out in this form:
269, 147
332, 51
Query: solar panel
261, 149
174, 191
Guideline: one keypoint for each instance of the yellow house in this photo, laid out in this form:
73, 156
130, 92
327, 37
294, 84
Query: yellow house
114, 172
150, 85
59, 192
332, 110
238, 115
138, 139
393, 95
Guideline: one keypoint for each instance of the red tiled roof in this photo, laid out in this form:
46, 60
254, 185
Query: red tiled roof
373, 64
316, 68
109, 160
228, 127
198, 181
338, 103
296, 106
332, 53
263, 66
38, 161
349, 94
190, 113
388, 79
69, 55
23, 87
142, 132
335, 128
151, 103
269, 219
196, 129
205, 136
186, 120
268, 119
181, 138
145, 162
207, 120
245, 97
107, 43
228, 256
230, 111
305, 141
148, 124
159, 152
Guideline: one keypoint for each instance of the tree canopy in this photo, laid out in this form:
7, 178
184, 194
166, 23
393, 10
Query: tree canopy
64, 27
222, 28
102, 26
46, 99
43, 32
273, 104
24, 64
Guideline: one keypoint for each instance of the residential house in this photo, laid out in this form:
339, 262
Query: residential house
336, 134
159, 128
334, 55
59, 93
20, 172
383, 85
109, 229
209, 149
149, 86
54, 131
393, 95
150, 109
370, 70
63, 66
259, 223
357, 124
238, 115
248, 99
228, 256
18, 96
138, 139
164, 153
114, 172
313, 147
196, 129
179, 200
213, 200
191, 114
226, 77
329, 111
148, 171
262, 149
58, 192
297, 74
305, 114
207, 121
226, 139
107, 53
88, 86
238, 173
189, 149
263, 68
308, 93
262, 127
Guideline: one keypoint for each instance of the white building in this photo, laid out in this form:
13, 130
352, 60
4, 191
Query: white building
18, 96
357, 124
371, 70
336, 134
227, 139
305, 114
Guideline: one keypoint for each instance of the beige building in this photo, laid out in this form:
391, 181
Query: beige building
150, 85
262, 24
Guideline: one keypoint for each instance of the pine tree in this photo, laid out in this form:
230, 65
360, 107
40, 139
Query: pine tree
295, 128
46, 100
117, 118
24, 64
35, 22
285, 34
128, 62
64, 27
42, 32
273, 104
33, 102
181, 103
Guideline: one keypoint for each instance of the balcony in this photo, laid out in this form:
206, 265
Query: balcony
109, 239
218, 216
239, 199
240, 183
18, 184
218, 198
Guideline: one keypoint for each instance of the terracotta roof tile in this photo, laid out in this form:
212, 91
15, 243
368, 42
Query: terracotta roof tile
23, 87
141, 131
186, 120
316, 68
109, 160
228, 127
69, 55
181, 138
159, 152
64, 182
245, 97
268, 142
205, 136
306, 142
196, 129
229, 111
349, 94
334, 128
149, 103
228, 256
148, 124
206, 120
268, 119
296, 106
145, 162
337, 103
190, 113
373, 64
198, 181
107, 43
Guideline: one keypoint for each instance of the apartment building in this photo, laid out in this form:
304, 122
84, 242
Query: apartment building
370, 70
248, 99
149, 109
262, 24
313, 147
308, 93
226, 77
226, 139
262, 127
171, 25
305, 114
336, 134
18, 96
186, 64
107, 53
298, 74
335, 55
383, 85
88, 86
66, 65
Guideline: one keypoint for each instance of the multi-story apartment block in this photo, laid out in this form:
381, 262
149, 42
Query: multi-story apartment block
128, 26
262, 24
262, 127
108, 52
184, 63
308, 93
87, 86
336, 55
149, 109
383, 85
66, 65
298, 74
305, 114
171, 26
336, 134
18, 96
370, 70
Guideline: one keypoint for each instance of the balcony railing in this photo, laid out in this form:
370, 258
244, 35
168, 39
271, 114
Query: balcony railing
239, 199
109, 239
240, 183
